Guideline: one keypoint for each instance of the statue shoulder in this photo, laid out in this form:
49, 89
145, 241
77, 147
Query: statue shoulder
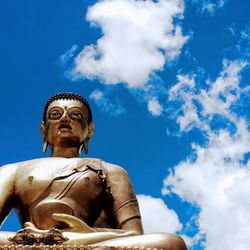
116, 174
99, 164
8, 169
22, 163
9, 172
114, 169
17, 167
12, 169
112, 172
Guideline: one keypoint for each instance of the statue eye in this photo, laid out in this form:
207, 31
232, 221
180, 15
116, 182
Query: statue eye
76, 115
55, 115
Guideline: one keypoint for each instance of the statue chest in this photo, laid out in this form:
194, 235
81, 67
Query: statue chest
76, 192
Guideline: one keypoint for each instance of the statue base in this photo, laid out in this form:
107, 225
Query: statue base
71, 247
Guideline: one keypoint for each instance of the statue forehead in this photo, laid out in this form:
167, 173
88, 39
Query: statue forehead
67, 103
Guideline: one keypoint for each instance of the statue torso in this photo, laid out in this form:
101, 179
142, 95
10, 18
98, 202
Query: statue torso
59, 185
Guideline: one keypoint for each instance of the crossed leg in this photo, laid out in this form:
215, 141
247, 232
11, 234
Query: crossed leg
163, 241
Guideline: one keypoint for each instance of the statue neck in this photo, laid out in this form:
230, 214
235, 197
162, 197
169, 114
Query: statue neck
67, 152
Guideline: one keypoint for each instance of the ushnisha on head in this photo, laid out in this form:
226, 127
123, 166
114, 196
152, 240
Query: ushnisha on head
67, 125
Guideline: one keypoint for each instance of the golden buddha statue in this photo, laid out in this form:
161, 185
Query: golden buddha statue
68, 200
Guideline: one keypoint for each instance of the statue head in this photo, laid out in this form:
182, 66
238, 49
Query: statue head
67, 121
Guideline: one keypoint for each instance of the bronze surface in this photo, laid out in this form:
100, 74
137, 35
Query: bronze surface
90, 203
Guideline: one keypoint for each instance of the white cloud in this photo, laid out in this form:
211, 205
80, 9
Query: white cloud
224, 91
232, 30
107, 104
217, 99
243, 46
162, 219
217, 181
139, 37
209, 6
68, 54
154, 107
184, 90
96, 95
184, 83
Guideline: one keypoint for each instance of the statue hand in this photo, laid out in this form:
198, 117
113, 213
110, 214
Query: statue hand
31, 228
78, 232
74, 224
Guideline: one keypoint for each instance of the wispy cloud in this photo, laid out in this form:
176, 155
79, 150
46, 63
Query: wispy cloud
64, 58
209, 6
243, 45
154, 107
216, 99
216, 177
106, 103
139, 37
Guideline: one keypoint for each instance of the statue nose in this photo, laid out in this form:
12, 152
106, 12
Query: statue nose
65, 116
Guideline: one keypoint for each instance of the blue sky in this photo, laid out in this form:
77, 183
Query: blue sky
168, 82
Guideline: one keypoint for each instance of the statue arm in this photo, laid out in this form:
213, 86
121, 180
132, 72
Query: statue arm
7, 189
125, 205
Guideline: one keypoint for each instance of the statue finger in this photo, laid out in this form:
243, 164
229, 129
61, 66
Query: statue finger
29, 224
70, 220
33, 230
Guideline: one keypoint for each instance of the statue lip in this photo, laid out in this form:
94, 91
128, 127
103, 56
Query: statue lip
64, 126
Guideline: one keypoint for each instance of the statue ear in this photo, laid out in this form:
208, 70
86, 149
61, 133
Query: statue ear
43, 130
44, 136
91, 128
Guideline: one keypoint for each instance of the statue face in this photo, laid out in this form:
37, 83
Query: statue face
66, 123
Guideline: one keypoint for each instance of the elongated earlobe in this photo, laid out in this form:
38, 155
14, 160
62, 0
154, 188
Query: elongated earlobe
45, 146
80, 149
86, 146
44, 136
90, 134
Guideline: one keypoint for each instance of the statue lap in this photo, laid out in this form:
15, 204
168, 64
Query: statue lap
156, 241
